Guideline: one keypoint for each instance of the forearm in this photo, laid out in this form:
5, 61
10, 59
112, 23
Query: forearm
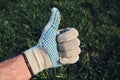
14, 69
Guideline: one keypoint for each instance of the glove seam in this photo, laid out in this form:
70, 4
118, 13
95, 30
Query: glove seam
28, 64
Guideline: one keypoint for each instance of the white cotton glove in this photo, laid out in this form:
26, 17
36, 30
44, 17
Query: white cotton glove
53, 48
68, 45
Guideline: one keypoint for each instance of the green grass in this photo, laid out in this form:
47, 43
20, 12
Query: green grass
98, 23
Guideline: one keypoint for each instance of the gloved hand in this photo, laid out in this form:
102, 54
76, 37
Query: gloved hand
54, 47
68, 46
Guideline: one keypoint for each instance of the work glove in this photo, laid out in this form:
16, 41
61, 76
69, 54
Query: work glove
55, 47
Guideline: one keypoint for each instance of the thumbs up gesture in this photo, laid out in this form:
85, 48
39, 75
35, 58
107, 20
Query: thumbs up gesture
55, 47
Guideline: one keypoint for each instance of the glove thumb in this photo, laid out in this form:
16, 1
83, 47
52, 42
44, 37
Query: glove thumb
51, 29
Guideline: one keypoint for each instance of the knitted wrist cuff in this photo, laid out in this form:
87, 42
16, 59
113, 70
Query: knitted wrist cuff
37, 59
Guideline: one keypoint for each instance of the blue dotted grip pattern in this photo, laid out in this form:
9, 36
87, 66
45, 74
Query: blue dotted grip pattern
49, 43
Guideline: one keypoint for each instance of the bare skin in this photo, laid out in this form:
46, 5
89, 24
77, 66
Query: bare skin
14, 69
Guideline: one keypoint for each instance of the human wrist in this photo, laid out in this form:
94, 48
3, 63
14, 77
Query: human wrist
11, 68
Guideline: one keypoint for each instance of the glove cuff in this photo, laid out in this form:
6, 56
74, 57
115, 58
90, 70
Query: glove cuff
37, 59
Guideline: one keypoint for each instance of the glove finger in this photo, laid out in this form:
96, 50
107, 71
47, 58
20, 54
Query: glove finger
67, 34
71, 53
60, 31
70, 60
70, 45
